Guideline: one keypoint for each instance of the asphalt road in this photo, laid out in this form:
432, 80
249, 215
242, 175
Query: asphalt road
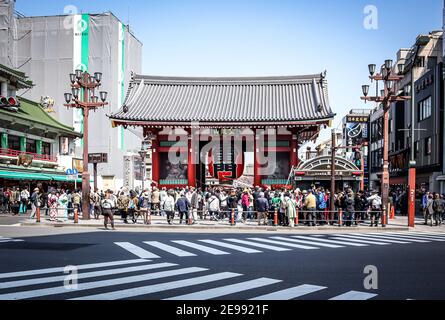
181, 266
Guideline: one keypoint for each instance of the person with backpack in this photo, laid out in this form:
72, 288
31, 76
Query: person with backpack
438, 209
168, 206
107, 209
133, 206
375, 202
350, 207
145, 206
122, 205
96, 204
182, 206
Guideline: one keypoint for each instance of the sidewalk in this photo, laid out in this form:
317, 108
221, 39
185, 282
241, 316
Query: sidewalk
160, 223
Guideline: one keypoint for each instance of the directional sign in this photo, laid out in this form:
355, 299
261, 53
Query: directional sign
97, 158
71, 172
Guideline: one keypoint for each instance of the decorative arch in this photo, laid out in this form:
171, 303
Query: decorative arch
323, 163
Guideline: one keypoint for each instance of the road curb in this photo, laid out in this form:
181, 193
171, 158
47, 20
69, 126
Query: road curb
219, 228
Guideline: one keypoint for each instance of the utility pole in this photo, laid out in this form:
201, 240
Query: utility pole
84, 83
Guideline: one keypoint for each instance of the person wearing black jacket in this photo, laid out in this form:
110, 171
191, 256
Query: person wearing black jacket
360, 207
232, 203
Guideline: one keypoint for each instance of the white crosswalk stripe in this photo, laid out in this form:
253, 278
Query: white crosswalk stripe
291, 293
99, 284
137, 251
383, 237
420, 236
134, 292
311, 241
231, 246
284, 243
170, 249
79, 267
200, 247
406, 237
61, 278
259, 245
6, 239
434, 235
226, 290
108, 284
364, 237
360, 241
332, 241
354, 295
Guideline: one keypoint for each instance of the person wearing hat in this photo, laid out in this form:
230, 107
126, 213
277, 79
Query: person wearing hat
263, 208
310, 204
35, 202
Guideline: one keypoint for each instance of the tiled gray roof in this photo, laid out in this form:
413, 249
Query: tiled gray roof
226, 100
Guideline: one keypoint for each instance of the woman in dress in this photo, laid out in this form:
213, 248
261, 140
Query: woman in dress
63, 204
52, 204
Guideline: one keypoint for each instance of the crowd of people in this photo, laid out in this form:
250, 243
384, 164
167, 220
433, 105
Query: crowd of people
264, 205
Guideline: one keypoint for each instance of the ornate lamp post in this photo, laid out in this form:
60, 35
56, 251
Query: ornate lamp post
82, 96
386, 97
143, 154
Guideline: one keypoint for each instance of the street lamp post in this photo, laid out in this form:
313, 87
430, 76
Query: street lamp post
386, 97
143, 154
82, 83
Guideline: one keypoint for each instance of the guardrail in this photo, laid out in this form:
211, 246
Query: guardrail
39, 157
274, 217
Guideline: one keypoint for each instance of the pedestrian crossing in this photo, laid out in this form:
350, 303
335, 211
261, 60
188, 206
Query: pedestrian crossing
284, 243
145, 279
5, 240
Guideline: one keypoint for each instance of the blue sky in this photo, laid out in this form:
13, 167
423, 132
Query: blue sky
260, 38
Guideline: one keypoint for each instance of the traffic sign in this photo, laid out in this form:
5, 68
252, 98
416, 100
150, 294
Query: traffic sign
97, 157
72, 172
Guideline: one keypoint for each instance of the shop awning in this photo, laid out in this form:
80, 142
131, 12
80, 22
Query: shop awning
15, 175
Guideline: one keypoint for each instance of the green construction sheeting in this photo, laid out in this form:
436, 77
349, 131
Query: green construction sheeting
34, 176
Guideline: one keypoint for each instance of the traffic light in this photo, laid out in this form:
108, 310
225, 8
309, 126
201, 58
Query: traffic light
358, 158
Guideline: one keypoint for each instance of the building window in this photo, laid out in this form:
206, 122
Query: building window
64, 146
416, 147
420, 62
14, 142
428, 145
31, 145
424, 109
46, 148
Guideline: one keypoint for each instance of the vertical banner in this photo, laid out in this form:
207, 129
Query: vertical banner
121, 80
81, 24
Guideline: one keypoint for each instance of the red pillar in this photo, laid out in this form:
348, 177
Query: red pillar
155, 170
191, 172
256, 165
412, 197
294, 151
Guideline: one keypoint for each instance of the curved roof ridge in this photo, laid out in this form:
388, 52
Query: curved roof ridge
265, 79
